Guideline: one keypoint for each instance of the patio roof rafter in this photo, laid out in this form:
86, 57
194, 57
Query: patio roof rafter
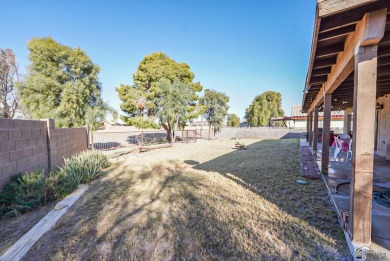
369, 31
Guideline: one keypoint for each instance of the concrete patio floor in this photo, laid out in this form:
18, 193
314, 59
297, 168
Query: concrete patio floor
340, 171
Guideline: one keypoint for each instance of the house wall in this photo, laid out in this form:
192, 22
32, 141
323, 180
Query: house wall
27, 145
335, 124
383, 142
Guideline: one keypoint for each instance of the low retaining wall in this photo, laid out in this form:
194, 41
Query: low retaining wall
27, 145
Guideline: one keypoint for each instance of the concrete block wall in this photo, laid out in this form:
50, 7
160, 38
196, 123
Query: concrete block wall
23, 147
65, 143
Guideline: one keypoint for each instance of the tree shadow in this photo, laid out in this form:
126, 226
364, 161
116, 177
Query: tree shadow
106, 145
172, 211
270, 168
293, 135
191, 162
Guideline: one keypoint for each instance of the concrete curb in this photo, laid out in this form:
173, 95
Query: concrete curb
18, 250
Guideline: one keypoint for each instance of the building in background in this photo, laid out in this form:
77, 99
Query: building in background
299, 119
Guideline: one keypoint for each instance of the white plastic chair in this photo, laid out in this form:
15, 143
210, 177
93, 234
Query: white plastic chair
337, 149
349, 153
344, 137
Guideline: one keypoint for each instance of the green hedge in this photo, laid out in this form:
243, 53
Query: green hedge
29, 190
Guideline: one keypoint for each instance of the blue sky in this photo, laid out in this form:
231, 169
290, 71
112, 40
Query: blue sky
241, 48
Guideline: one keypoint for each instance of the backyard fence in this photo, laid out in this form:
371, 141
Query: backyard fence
28, 145
109, 140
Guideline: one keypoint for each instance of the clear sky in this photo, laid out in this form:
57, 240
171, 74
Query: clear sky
241, 48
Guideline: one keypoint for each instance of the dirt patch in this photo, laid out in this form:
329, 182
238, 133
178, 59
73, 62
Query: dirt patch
11, 229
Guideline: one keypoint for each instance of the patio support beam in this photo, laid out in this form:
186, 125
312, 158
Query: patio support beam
363, 143
345, 122
315, 138
310, 129
369, 31
307, 128
349, 126
326, 133
365, 66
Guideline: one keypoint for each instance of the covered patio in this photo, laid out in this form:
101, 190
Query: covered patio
349, 70
337, 182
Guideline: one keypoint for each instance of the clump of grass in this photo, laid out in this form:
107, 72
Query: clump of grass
27, 191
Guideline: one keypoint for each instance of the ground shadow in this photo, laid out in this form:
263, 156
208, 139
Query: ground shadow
106, 145
293, 135
270, 169
172, 221
191, 162
241, 205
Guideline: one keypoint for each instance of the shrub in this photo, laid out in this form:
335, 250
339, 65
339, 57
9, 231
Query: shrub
86, 166
59, 185
24, 192
28, 190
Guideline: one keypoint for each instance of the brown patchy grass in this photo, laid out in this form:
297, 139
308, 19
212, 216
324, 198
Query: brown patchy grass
11, 229
200, 201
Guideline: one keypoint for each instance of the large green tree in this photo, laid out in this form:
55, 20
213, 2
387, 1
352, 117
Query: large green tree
141, 100
62, 83
175, 98
233, 120
263, 107
9, 102
215, 106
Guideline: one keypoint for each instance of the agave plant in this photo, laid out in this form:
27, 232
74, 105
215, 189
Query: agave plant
85, 166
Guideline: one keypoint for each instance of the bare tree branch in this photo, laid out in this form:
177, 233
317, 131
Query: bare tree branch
9, 103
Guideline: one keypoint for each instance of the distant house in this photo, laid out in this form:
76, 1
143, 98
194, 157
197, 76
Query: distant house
107, 124
299, 119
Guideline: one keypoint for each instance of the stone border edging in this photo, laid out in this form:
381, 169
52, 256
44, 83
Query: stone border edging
18, 250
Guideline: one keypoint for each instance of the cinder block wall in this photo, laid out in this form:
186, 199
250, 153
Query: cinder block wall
24, 146
65, 143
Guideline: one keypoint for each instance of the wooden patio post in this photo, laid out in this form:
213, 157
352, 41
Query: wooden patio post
363, 143
311, 129
307, 127
345, 122
315, 138
364, 102
326, 133
349, 126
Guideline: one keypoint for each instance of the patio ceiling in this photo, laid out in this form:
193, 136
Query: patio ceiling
332, 30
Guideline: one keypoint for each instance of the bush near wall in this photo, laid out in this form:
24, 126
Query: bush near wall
27, 191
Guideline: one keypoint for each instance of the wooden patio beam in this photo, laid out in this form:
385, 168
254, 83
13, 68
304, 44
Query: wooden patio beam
329, 50
320, 71
310, 129
336, 33
315, 136
363, 143
329, 7
369, 31
326, 134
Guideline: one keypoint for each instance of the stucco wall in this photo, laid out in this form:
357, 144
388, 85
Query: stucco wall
383, 146
334, 124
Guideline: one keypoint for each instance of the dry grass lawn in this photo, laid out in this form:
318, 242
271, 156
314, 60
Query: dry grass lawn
202, 201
